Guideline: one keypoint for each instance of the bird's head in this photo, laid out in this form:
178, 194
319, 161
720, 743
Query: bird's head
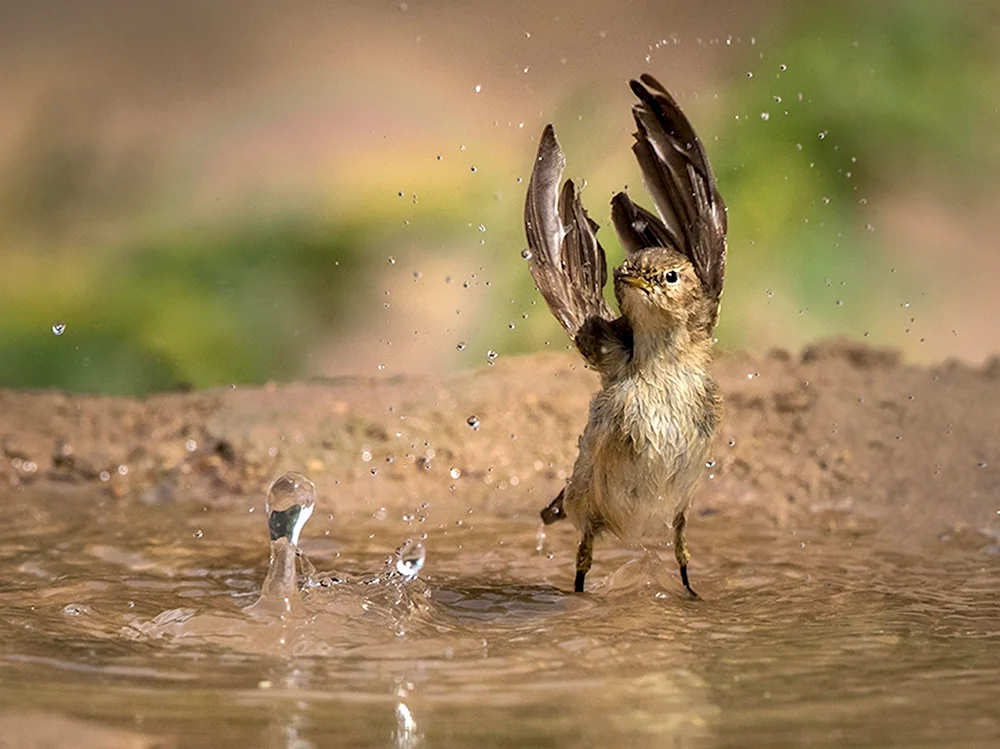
658, 289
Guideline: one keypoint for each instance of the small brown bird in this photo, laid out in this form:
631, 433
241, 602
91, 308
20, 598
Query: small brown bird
652, 424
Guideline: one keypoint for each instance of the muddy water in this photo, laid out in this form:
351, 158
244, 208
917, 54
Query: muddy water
122, 624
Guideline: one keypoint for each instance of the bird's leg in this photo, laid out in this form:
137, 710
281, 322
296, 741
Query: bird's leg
584, 558
680, 549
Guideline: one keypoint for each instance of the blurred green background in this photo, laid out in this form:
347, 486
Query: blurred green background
195, 195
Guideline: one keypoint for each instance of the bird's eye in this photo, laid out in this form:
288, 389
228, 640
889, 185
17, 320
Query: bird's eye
671, 276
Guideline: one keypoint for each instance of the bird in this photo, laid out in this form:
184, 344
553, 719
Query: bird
652, 424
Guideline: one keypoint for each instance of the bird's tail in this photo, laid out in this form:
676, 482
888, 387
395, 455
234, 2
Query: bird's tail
554, 511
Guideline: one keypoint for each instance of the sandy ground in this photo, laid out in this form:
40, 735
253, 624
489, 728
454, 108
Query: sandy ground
842, 435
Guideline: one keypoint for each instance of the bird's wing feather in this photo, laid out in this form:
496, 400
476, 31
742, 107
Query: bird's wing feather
679, 178
637, 228
566, 260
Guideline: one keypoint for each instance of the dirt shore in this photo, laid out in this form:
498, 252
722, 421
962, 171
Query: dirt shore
842, 435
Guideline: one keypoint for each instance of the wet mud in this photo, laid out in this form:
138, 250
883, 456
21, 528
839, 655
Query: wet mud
841, 435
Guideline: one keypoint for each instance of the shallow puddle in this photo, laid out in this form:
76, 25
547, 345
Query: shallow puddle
130, 618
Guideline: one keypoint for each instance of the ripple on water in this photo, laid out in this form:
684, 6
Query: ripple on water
798, 634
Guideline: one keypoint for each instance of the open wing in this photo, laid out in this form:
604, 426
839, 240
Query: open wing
566, 260
676, 172
638, 228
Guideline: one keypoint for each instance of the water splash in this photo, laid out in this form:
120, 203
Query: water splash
410, 558
290, 502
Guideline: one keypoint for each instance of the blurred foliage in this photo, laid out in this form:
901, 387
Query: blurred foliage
202, 306
845, 100
61, 172
831, 109
842, 101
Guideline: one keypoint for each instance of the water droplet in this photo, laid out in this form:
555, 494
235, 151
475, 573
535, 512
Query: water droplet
732, 442
765, 116
510, 326
526, 254
473, 421
479, 87
782, 67
491, 356
454, 473
59, 328
473, 168
392, 260
460, 345
482, 227
198, 533
290, 501
410, 559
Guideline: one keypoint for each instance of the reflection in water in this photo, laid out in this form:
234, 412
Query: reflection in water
406, 731
289, 717
803, 636
405, 736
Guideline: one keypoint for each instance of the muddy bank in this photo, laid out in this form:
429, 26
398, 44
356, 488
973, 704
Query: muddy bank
842, 435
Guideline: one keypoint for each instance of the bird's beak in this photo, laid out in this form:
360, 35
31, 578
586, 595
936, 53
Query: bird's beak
639, 283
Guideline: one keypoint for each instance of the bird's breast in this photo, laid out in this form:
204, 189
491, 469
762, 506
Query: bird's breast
661, 418
643, 450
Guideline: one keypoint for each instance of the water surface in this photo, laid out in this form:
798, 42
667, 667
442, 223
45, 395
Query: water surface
129, 617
